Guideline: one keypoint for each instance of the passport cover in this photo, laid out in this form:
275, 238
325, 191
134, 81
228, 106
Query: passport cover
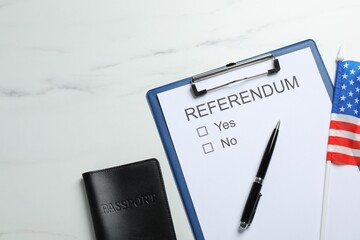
129, 202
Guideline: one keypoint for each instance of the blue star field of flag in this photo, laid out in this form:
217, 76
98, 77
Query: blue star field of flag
347, 89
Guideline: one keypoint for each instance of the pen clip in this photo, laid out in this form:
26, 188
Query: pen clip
254, 209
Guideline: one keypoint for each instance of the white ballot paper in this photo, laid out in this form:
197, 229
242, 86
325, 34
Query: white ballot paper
220, 138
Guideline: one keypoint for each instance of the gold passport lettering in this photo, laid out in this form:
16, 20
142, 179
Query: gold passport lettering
141, 201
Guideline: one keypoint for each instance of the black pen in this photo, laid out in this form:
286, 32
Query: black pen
254, 195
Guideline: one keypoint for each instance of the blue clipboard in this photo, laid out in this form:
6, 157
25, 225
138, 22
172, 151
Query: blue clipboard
166, 137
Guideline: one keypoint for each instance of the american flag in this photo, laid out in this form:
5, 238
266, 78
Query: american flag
344, 134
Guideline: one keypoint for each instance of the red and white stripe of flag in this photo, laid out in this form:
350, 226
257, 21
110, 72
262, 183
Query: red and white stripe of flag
344, 140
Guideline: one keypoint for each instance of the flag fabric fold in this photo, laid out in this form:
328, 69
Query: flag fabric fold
344, 133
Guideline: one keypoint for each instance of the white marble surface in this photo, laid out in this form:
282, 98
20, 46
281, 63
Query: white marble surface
73, 79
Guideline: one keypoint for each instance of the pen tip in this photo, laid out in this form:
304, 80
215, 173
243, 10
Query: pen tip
278, 125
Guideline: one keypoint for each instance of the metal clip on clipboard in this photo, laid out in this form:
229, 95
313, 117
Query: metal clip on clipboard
231, 67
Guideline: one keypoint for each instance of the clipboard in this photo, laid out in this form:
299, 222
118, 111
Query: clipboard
196, 92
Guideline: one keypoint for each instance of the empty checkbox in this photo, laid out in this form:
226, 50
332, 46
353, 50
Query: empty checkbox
208, 148
202, 131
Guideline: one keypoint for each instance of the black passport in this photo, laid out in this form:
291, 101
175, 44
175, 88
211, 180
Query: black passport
129, 202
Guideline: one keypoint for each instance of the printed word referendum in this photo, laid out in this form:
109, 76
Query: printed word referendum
243, 97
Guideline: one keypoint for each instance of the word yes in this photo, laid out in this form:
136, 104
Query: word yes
225, 125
